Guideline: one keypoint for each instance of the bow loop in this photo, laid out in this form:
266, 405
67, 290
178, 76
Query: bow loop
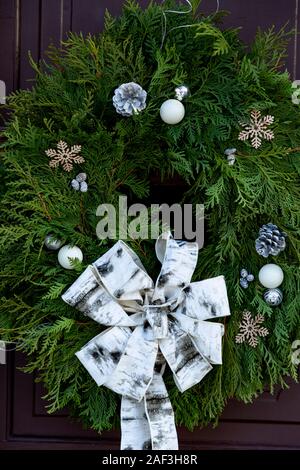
122, 273
158, 320
178, 265
207, 299
89, 296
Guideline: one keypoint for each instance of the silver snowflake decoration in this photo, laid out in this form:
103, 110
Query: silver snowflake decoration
250, 329
64, 156
257, 129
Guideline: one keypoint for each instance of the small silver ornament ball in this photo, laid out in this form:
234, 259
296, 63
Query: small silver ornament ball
273, 297
172, 111
182, 92
83, 187
81, 177
75, 185
230, 154
52, 243
244, 283
231, 160
230, 151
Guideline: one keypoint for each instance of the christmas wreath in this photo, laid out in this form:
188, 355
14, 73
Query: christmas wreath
105, 116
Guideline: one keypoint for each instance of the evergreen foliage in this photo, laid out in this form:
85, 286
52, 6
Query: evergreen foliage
71, 100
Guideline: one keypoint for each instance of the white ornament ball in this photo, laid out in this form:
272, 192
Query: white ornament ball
52, 243
270, 276
68, 252
172, 111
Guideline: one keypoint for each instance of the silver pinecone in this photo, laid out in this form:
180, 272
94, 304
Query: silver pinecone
271, 241
129, 99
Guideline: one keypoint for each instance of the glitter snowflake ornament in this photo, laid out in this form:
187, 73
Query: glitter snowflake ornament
257, 129
64, 156
250, 329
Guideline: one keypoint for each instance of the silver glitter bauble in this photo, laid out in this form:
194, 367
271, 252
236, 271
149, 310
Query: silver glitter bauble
79, 183
81, 177
52, 243
75, 185
129, 99
231, 160
182, 92
83, 187
230, 154
273, 297
245, 278
229, 151
244, 283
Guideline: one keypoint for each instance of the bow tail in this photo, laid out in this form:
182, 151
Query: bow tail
135, 430
160, 416
149, 424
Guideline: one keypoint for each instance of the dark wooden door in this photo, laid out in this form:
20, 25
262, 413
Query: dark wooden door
272, 421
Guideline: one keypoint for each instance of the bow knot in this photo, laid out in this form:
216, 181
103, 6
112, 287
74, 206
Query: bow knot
157, 318
150, 325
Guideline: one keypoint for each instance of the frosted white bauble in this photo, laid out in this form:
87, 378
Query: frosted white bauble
172, 111
68, 252
271, 276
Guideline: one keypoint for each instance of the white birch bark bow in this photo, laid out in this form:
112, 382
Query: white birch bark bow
167, 324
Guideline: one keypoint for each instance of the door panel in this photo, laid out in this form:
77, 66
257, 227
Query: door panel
272, 421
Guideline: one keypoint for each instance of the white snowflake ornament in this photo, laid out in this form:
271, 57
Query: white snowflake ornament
250, 329
257, 129
64, 156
